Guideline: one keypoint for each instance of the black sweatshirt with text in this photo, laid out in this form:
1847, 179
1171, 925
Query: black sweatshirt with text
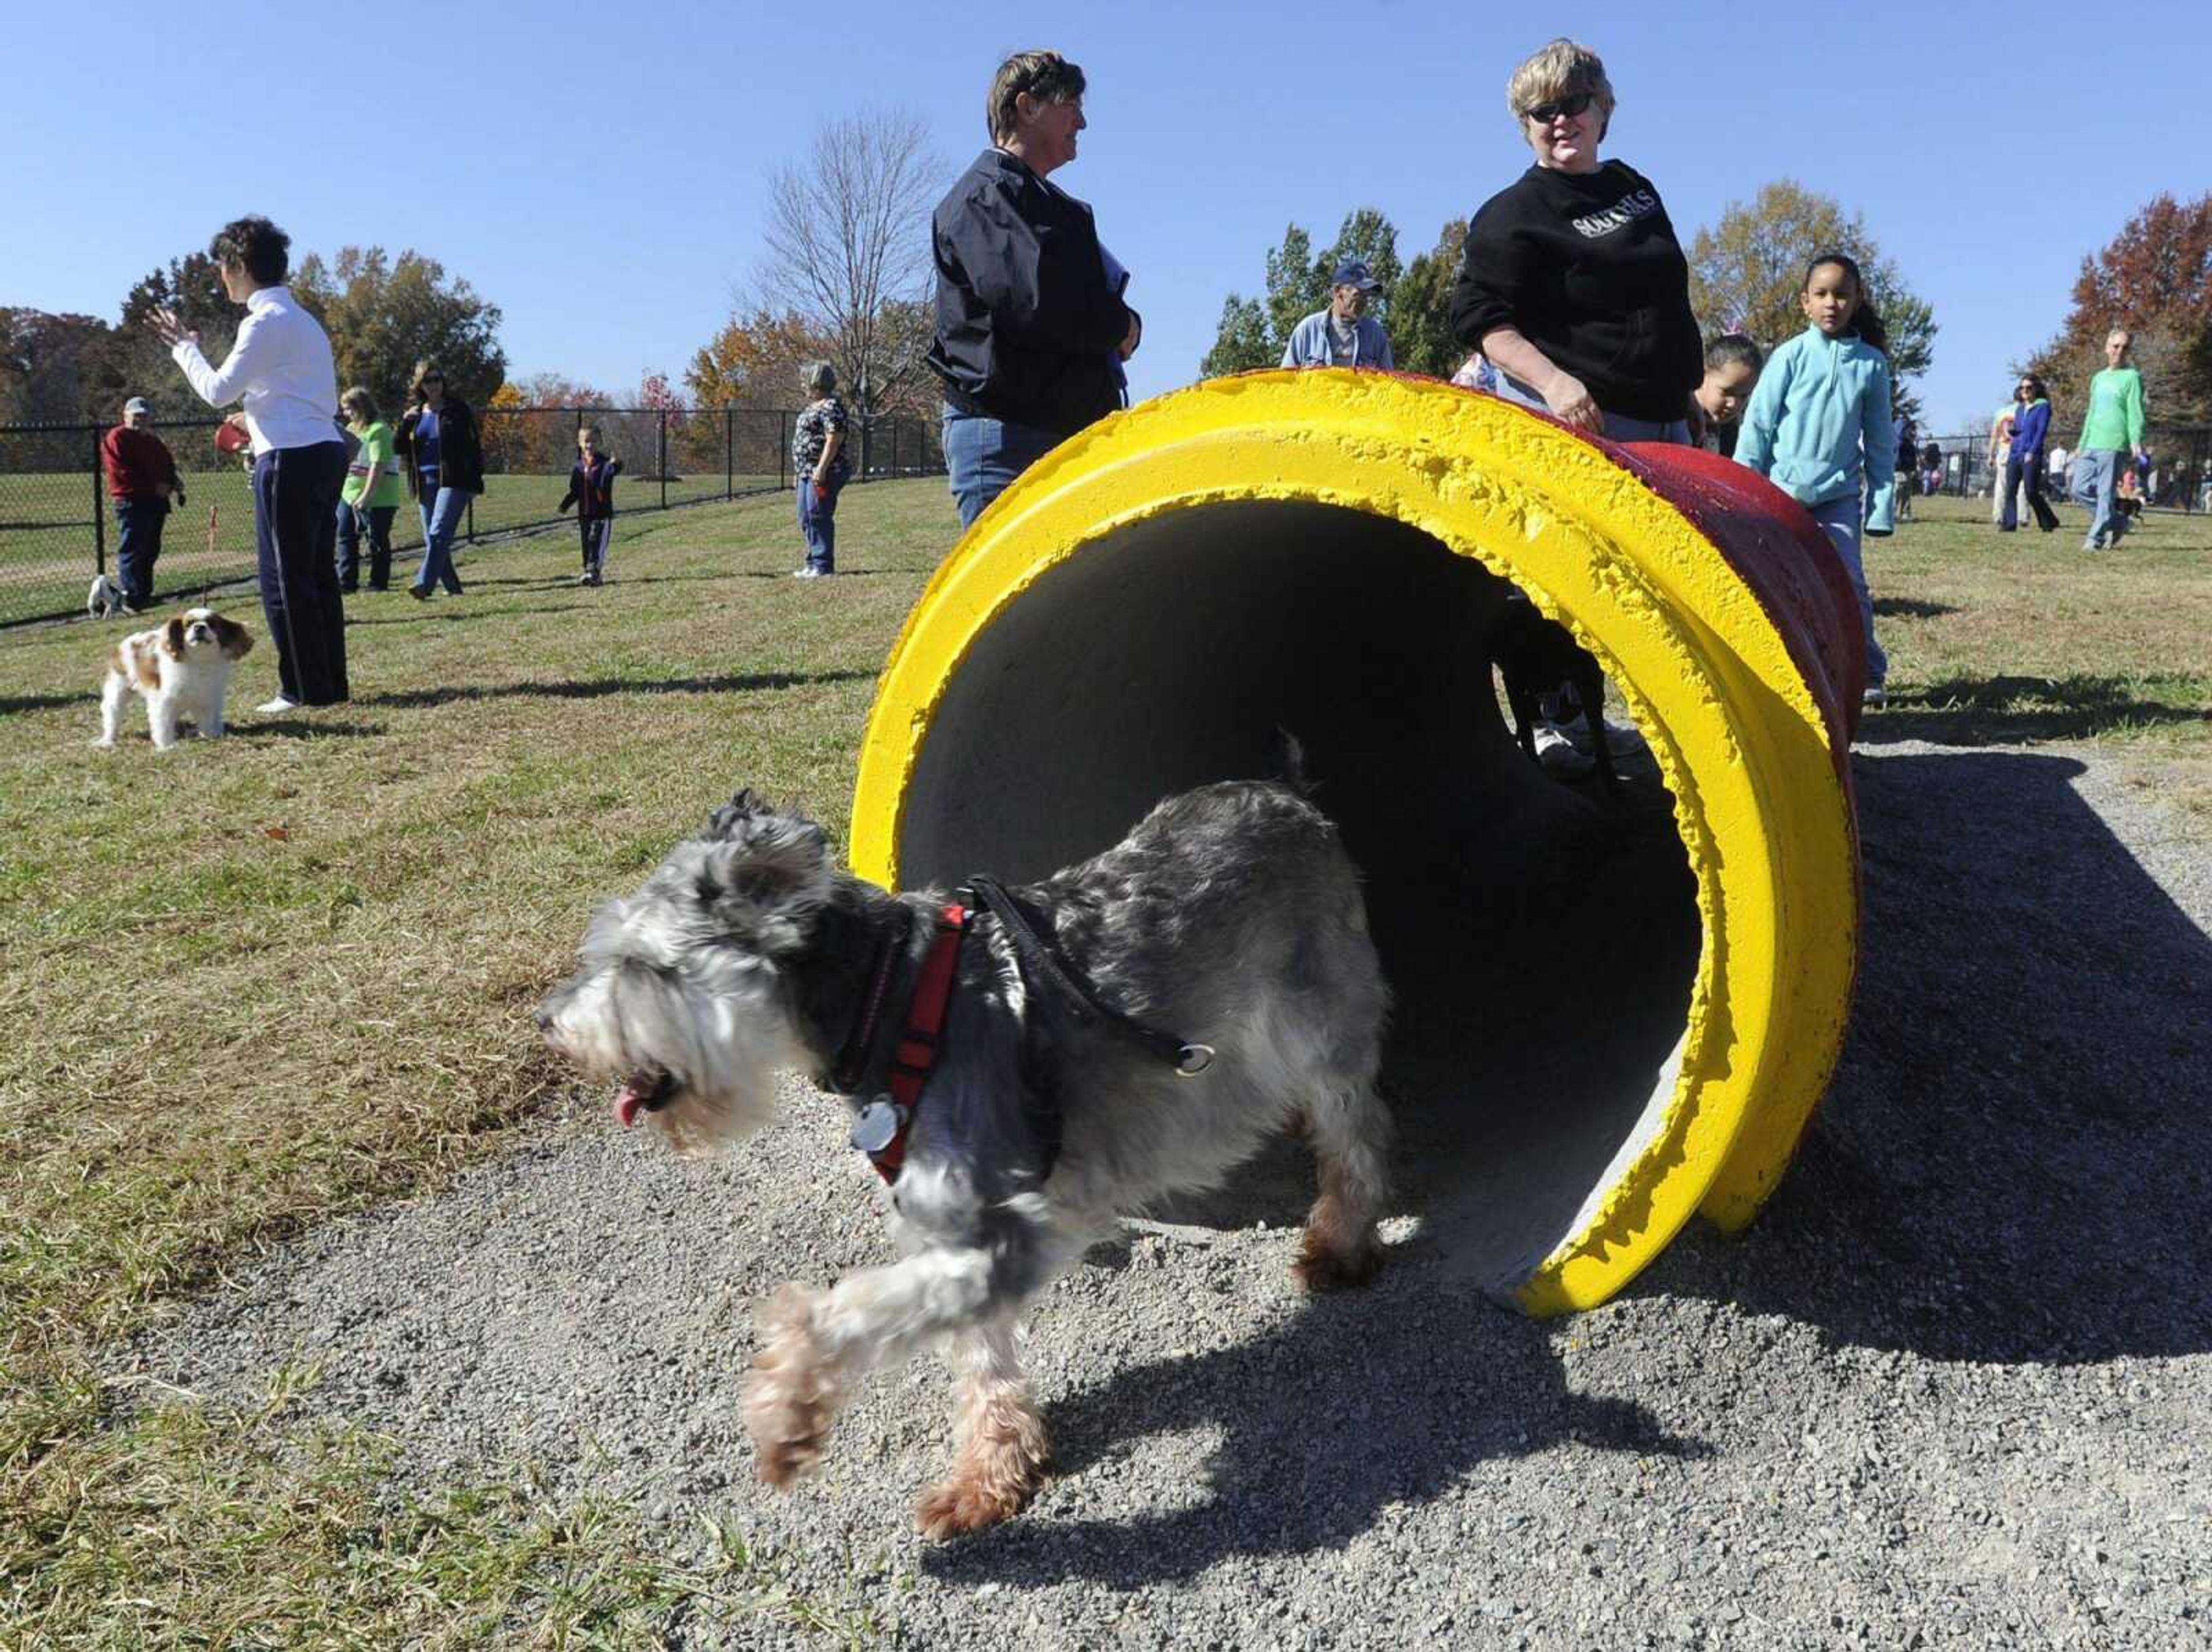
1586, 268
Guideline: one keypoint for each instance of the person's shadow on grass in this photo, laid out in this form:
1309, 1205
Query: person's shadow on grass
595, 689
1981, 711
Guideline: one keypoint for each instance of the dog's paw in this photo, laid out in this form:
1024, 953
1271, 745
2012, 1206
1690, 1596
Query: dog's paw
1000, 1467
791, 1401
1321, 1268
971, 1502
794, 1449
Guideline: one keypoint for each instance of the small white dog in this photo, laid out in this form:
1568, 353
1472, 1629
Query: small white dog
183, 669
105, 598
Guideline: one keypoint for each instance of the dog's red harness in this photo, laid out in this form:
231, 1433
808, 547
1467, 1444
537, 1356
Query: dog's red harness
882, 1126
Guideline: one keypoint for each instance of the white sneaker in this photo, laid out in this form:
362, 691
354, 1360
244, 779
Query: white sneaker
1874, 698
277, 707
806, 573
1559, 756
1617, 737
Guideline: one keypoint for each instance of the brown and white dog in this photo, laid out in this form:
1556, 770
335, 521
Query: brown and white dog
182, 669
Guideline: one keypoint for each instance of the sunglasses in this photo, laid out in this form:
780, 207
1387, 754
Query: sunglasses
1569, 106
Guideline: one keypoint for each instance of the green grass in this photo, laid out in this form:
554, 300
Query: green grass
328, 936
255, 982
2026, 637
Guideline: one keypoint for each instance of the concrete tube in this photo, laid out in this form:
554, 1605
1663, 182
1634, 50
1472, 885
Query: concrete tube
1611, 1010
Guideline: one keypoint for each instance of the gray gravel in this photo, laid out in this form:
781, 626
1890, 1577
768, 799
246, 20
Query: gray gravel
1953, 1388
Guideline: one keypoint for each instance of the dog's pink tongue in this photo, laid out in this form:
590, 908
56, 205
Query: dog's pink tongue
627, 1100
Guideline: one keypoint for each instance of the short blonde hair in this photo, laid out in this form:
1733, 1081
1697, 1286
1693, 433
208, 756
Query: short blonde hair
1560, 70
358, 402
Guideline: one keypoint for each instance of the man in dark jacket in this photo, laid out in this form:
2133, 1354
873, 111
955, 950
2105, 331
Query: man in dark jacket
142, 479
1030, 325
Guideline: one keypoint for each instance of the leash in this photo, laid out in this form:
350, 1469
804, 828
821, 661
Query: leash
1037, 961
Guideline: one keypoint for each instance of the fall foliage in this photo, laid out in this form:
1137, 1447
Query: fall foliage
2154, 278
1748, 269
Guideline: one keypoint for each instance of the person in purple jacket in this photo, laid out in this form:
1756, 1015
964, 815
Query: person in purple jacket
2031, 429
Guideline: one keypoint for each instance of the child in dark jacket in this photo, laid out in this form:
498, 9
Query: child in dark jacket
591, 490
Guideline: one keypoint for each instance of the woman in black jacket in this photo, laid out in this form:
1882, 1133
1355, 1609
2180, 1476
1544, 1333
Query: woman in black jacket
1030, 325
445, 471
1573, 282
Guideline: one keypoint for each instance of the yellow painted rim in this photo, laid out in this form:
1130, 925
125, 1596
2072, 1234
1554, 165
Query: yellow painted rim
1739, 738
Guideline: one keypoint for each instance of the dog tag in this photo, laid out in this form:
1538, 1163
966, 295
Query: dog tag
879, 1124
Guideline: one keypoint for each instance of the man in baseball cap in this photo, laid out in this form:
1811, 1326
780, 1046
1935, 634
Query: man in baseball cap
142, 482
1344, 335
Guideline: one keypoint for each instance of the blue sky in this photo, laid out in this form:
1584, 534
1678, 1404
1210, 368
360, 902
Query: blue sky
600, 172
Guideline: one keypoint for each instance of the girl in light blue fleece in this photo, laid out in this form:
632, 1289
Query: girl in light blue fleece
1821, 421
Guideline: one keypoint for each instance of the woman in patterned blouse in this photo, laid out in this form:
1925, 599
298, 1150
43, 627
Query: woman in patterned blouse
817, 455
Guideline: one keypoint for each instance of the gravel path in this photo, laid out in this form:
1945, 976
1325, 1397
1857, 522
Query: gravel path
1954, 1387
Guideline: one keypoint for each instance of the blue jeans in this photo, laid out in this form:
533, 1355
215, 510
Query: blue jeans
2096, 475
295, 527
595, 532
138, 542
2023, 474
983, 456
1839, 519
441, 515
1619, 426
817, 522
374, 521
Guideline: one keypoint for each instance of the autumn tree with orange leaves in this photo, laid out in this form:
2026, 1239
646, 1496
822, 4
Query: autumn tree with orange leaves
2154, 278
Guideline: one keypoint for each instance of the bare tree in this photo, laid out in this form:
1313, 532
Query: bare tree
848, 247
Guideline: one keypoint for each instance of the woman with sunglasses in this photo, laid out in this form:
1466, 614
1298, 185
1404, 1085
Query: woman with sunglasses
1573, 283
2024, 465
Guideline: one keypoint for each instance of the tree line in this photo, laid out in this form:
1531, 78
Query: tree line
383, 313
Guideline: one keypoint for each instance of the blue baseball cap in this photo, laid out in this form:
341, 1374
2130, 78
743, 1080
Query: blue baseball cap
1354, 272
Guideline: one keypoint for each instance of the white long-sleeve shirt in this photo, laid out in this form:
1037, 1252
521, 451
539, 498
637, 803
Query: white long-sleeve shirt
279, 368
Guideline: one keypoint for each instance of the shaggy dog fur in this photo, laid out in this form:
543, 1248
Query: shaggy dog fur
1230, 916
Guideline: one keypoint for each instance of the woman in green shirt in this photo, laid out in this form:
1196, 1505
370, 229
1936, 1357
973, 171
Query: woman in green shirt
370, 498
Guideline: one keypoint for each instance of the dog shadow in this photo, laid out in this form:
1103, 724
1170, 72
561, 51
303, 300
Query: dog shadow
600, 687
2009, 1165
15, 702
1378, 1398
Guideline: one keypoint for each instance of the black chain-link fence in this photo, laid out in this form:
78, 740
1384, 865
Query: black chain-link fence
57, 524
2180, 476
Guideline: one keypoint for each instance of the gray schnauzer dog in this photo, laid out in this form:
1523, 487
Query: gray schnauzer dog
1054, 1106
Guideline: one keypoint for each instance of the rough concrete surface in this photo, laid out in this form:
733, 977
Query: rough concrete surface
1955, 1388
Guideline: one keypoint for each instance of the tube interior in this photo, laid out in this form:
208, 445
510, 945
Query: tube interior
1541, 939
